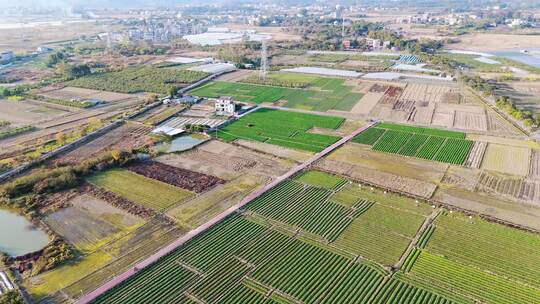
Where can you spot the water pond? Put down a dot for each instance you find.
(18, 236)
(182, 143)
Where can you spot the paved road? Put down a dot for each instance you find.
(88, 298)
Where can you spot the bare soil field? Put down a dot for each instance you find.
(367, 103)
(90, 222)
(515, 188)
(295, 155)
(10, 39)
(460, 177)
(474, 160)
(534, 170)
(69, 93)
(492, 42)
(178, 177)
(127, 136)
(443, 119)
(423, 115)
(21, 112)
(504, 141)
(426, 92)
(470, 121)
(226, 161)
(363, 157)
(235, 76)
(524, 215)
(507, 159)
(378, 178)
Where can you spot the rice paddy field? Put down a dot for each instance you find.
(427, 143)
(141, 190)
(320, 93)
(283, 128)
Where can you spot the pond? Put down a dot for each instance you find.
(18, 236)
(532, 57)
(182, 143)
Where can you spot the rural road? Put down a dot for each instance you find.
(88, 298)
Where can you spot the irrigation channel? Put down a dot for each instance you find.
(88, 298)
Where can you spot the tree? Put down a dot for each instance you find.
(11, 297)
(60, 138)
(171, 91)
(116, 155)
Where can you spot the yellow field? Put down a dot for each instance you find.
(507, 159)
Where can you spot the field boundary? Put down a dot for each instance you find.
(88, 298)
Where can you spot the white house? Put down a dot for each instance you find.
(225, 105)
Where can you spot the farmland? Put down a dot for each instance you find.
(139, 79)
(139, 189)
(478, 261)
(318, 238)
(321, 93)
(292, 131)
(434, 144)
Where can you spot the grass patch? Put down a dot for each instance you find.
(322, 93)
(139, 189)
(58, 278)
(320, 179)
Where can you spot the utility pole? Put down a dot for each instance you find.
(264, 60)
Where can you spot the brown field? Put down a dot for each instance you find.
(474, 160)
(69, 93)
(23, 113)
(426, 92)
(296, 155)
(366, 103)
(423, 115)
(410, 175)
(514, 188)
(507, 159)
(470, 121)
(534, 170)
(443, 119)
(486, 41)
(235, 76)
(489, 205)
(460, 177)
(226, 161)
(127, 136)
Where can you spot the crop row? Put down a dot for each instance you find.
(427, 145)
(356, 286)
(495, 248)
(163, 282)
(219, 282)
(290, 131)
(422, 130)
(468, 281)
(303, 271)
(305, 207)
(397, 291)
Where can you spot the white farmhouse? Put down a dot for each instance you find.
(225, 105)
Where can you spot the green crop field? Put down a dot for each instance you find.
(428, 143)
(321, 93)
(283, 128)
(139, 189)
(139, 79)
(476, 261)
(267, 254)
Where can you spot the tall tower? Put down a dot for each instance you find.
(264, 60)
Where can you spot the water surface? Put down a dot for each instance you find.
(18, 236)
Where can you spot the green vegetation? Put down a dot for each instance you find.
(320, 93)
(15, 131)
(433, 144)
(139, 189)
(321, 179)
(11, 297)
(138, 79)
(473, 260)
(267, 257)
(283, 128)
